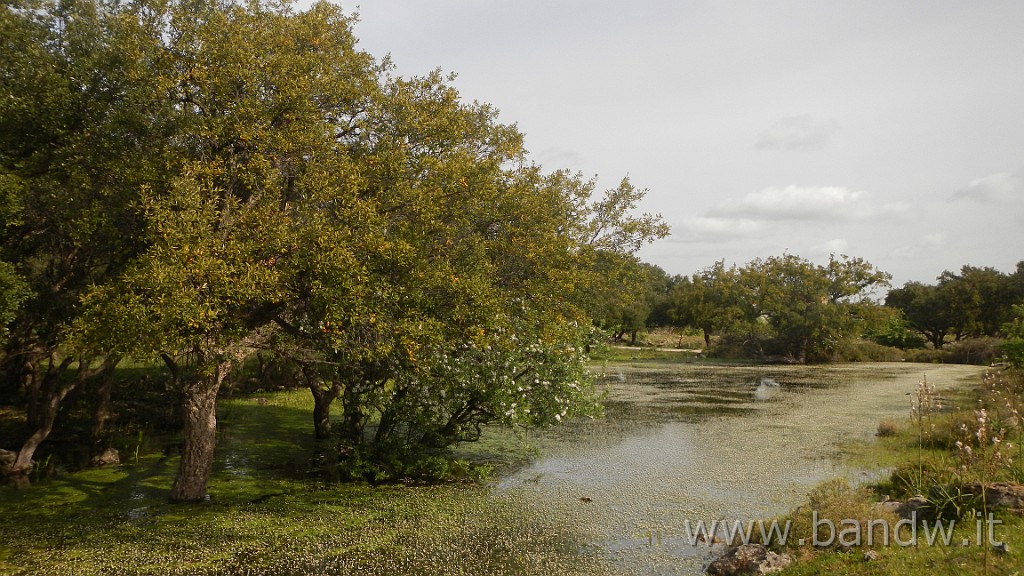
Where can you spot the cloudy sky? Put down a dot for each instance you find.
(892, 131)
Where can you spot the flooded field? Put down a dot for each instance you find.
(684, 443)
(680, 443)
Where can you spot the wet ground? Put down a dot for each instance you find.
(684, 443)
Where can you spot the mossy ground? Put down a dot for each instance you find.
(267, 516)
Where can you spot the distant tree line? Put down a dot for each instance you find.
(972, 303)
(789, 309)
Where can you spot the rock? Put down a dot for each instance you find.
(905, 510)
(913, 508)
(999, 494)
(748, 559)
(109, 457)
(7, 459)
(870, 555)
(890, 506)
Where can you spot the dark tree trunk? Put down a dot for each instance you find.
(45, 404)
(102, 414)
(322, 400)
(42, 424)
(353, 420)
(322, 415)
(200, 431)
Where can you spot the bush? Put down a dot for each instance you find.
(867, 351)
(835, 501)
(982, 351)
(887, 428)
(927, 356)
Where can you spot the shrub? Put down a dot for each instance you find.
(867, 351)
(982, 351)
(927, 356)
(886, 428)
(835, 501)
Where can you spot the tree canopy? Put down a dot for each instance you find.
(195, 181)
(782, 307)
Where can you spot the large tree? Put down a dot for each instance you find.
(783, 307)
(223, 178)
(259, 105)
(81, 133)
(812, 308)
(974, 302)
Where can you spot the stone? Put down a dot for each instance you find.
(748, 559)
(7, 459)
(914, 508)
(999, 494)
(109, 457)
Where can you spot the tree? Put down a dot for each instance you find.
(259, 103)
(710, 301)
(783, 306)
(980, 300)
(975, 302)
(925, 308)
(77, 141)
(819, 307)
(267, 186)
(1014, 345)
(644, 305)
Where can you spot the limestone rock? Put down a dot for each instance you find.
(1000, 494)
(748, 559)
(109, 457)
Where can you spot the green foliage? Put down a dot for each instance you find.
(197, 181)
(896, 331)
(13, 292)
(1013, 348)
(783, 307)
(977, 302)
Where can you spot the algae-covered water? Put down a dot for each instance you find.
(685, 443)
(679, 443)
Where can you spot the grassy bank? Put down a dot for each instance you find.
(947, 442)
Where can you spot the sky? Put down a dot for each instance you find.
(889, 131)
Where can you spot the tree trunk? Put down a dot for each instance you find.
(102, 413)
(200, 430)
(46, 404)
(45, 416)
(322, 400)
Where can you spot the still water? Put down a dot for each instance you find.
(683, 443)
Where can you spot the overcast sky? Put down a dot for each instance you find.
(888, 130)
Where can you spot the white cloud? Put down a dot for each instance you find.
(806, 203)
(709, 228)
(801, 132)
(997, 188)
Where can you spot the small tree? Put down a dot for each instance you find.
(1014, 345)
